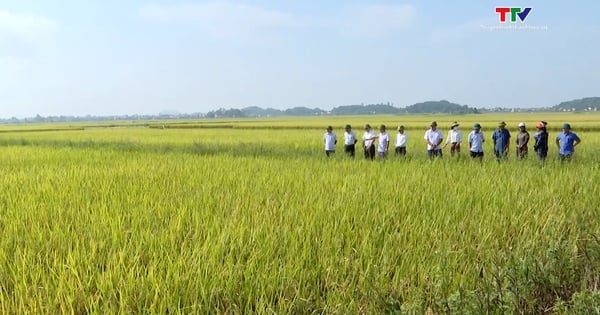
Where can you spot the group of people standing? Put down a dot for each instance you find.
(377, 144)
(372, 142)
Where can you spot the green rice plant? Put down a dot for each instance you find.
(234, 220)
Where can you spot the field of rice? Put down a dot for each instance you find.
(249, 216)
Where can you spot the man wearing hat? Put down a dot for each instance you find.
(501, 138)
(401, 141)
(383, 142)
(454, 138)
(349, 141)
(541, 141)
(434, 137)
(330, 139)
(522, 141)
(566, 141)
(368, 141)
(476, 140)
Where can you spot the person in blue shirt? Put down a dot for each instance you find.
(501, 137)
(566, 141)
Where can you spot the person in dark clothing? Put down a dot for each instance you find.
(541, 141)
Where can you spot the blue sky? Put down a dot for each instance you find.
(143, 57)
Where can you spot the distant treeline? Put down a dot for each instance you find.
(370, 109)
(430, 107)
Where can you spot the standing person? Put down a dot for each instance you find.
(476, 140)
(350, 140)
(383, 142)
(566, 141)
(401, 141)
(522, 141)
(454, 138)
(541, 141)
(434, 137)
(330, 139)
(501, 139)
(368, 140)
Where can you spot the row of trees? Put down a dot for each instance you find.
(370, 109)
(443, 106)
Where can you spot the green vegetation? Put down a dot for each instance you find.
(584, 104)
(249, 216)
(442, 106)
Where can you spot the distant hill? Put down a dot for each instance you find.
(442, 106)
(365, 109)
(255, 111)
(584, 104)
(304, 111)
(222, 112)
(429, 107)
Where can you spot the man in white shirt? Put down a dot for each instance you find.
(350, 140)
(434, 137)
(401, 141)
(368, 142)
(383, 143)
(454, 138)
(330, 139)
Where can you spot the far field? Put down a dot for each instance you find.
(249, 216)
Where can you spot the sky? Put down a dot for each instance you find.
(109, 57)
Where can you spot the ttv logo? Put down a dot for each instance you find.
(522, 13)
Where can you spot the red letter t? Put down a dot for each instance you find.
(502, 13)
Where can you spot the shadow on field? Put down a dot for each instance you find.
(245, 149)
(41, 130)
(240, 149)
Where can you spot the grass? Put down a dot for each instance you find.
(133, 220)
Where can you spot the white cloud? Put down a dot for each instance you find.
(378, 20)
(220, 19)
(21, 35)
(28, 27)
(234, 20)
(457, 33)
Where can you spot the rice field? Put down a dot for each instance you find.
(238, 216)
